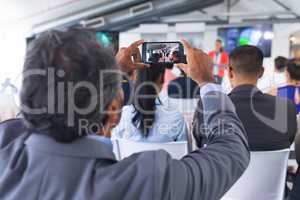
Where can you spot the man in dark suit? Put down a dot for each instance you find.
(270, 121)
(183, 87)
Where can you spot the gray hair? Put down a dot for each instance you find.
(67, 58)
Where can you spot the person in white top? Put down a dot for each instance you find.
(148, 119)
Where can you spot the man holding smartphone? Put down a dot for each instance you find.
(42, 158)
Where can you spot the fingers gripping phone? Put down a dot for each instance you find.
(163, 52)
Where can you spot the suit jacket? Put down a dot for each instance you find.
(183, 88)
(270, 121)
(34, 166)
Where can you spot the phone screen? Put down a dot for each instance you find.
(162, 52)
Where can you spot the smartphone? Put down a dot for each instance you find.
(163, 52)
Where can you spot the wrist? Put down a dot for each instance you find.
(204, 82)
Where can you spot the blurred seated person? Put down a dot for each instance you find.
(270, 122)
(220, 60)
(292, 89)
(183, 87)
(148, 119)
(57, 149)
(280, 68)
(279, 76)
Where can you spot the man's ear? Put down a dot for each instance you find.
(261, 72)
(230, 72)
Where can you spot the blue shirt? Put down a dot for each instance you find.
(289, 92)
(168, 126)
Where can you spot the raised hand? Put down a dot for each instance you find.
(199, 65)
(129, 58)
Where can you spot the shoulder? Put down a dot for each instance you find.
(11, 125)
(10, 130)
(141, 164)
(169, 113)
(176, 80)
(146, 172)
(158, 160)
(280, 100)
(128, 110)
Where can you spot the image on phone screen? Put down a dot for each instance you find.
(162, 52)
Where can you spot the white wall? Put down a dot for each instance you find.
(12, 53)
(193, 32)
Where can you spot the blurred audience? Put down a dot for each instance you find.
(280, 64)
(270, 122)
(292, 89)
(148, 119)
(279, 76)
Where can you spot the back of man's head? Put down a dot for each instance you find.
(280, 63)
(246, 60)
(293, 69)
(68, 79)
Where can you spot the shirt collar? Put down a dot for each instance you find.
(248, 88)
(88, 147)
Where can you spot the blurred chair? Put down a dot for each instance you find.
(184, 105)
(188, 117)
(116, 149)
(187, 108)
(8, 107)
(264, 178)
(124, 148)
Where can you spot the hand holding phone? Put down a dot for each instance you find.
(199, 65)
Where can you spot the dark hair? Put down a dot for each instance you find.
(220, 41)
(293, 68)
(66, 57)
(246, 59)
(155, 57)
(176, 55)
(145, 96)
(280, 63)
